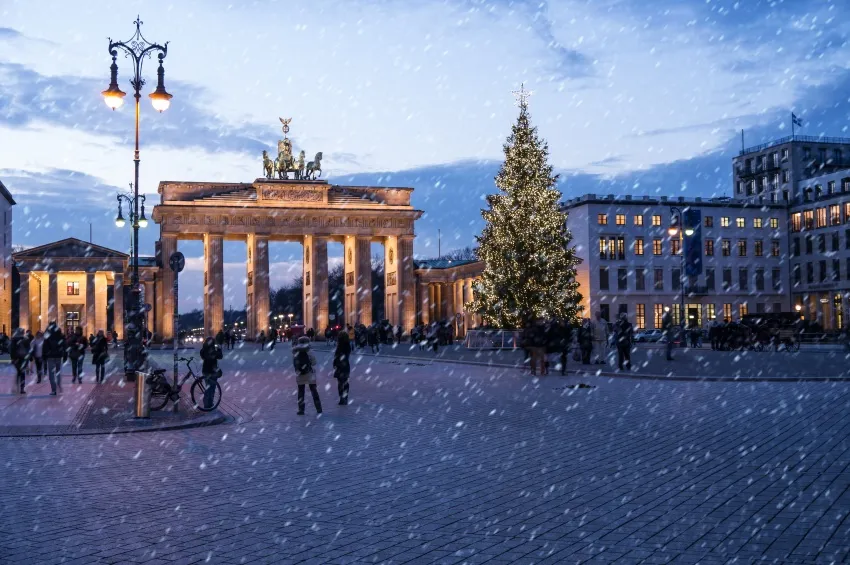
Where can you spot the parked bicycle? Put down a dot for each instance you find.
(162, 391)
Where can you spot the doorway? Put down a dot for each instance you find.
(72, 321)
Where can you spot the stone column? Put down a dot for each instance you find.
(407, 283)
(53, 300)
(435, 301)
(467, 297)
(450, 301)
(24, 302)
(168, 245)
(363, 277)
(316, 283)
(391, 279)
(213, 284)
(118, 305)
(258, 284)
(91, 313)
(350, 281)
(424, 303)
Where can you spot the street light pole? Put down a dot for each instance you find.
(677, 226)
(137, 49)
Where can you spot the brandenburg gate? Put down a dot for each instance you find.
(312, 212)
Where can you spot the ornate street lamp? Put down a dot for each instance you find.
(137, 49)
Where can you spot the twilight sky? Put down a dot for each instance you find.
(633, 96)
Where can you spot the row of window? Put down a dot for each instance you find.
(640, 279)
(820, 217)
(614, 247)
(708, 221)
(694, 312)
(834, 274)
(835, 243)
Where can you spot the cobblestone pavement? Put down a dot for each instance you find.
(650, 359)
(444, 463)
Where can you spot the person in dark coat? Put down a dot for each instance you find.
(261, 339)
(342, 366)
(220, 338)
(585, 341)
(99, 356)
(19, 352)
(210, 354)
(624, 336)
(54, 353)
(77, 345)
(564, 334)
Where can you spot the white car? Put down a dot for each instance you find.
(650, 336)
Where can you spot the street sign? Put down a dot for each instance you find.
(177, 261)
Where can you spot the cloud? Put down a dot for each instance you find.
(9, 33)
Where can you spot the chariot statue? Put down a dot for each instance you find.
(286, 163)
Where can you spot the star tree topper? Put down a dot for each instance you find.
(522, 95)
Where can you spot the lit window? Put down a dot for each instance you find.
(758, 248)
(743, 309)
(640, 316)
(638, 246)
(620, 219)
(742, 248)
(757, 222)
(675, 246)
(658, 314)
(727, 312)
(835, 215)
(656, 220)
(603, 248)
(797, 221)
(774, 248)
(656, 246)
(774, 223)
(73, 288)
(709, 247)
(709, 221)
(821, 218)
(726, 248)
(602, 219)
(724, 222)
(740, 222)
(809, 219)
(638, 220)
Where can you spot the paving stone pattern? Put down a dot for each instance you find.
(443, 463)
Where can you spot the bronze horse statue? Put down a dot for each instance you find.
(314, 168)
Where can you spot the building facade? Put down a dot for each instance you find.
(443, 289)
(6, 290)
(631, 264)
(76, 283)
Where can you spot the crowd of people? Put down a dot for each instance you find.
(44, 353)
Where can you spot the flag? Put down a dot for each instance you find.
(795, 120)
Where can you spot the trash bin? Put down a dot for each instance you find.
(143, 396)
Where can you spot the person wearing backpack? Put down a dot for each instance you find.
(77, 345)
(19, 352)
(210, 354)
(99, 356)
(55, 354)
(305, 373)
(342, 366)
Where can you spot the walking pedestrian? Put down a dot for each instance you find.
(342, 366)
(55, 353)
(304, 363)
(37, 355)
(624, 336)
(667, 332)
(585, 341)
(99, 356)
(564, 334)
(77, 345)
(210, 354)
(19, 353)
(600, 339)
(29, 369)
(261, 339)
(115, 339)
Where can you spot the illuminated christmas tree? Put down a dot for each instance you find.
(530, 265)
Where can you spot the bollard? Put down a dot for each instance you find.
(143, 396)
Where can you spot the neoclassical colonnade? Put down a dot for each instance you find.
(68, 282)
(444, 288)
(313, 213)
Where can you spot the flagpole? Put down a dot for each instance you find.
(792, 126)
(742, 141)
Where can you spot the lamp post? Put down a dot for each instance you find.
(137, 49)
(290, 319)
(677, 227)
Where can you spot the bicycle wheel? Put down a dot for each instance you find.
(199, 387)
(159, 395)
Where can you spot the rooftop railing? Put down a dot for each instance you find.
(790, 138)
